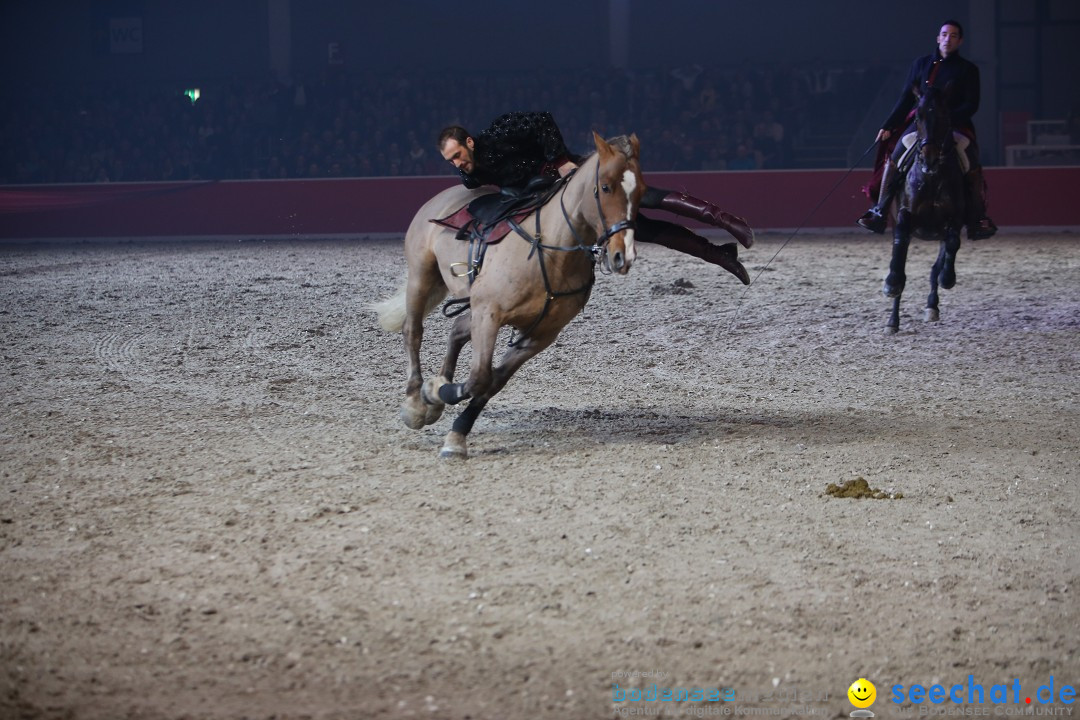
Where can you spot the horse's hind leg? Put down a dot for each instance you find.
(423, 291)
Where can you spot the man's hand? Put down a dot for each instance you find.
(566, 167)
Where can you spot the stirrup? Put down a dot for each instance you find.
(873, 221)
(982, 229)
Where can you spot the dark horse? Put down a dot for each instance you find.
(931, 204)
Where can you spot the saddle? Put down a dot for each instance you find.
(489, 218)
(961, 140)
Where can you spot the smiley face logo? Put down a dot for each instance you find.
(862, 693)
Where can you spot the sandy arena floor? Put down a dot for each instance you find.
(210, 509)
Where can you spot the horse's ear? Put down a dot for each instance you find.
(602, 146)
(635, 145)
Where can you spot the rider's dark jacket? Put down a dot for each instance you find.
(516, 148)
(960, 76)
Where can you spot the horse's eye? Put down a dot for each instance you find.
(605, 188)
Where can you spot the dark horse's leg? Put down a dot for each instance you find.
(949, 248)
(943, 271)
(896, 279)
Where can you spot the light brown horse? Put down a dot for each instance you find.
(535, 280)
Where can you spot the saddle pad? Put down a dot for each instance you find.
(962, 141)
(464, 222)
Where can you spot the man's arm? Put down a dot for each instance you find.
(898, 117)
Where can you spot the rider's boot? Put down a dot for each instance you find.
(979, 226)
(874, 219)
(679, 238)
(704, 211)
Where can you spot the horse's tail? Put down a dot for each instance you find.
(391, 311)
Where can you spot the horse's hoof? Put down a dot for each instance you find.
(454, 447)
(892, 287)
(890, 330)
(931, 315)
(434, 412)
(429, 391)
(413, 413)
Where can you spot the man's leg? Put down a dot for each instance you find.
(696, 209)
(679, 238)
(875, 219)
(979, 225)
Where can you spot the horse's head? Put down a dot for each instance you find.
(618, 189)
(934, 127)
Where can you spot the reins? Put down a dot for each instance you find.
(456, 306)
(794, 232)
(597, 249)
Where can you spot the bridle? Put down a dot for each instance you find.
(602, 240)
(598, 249)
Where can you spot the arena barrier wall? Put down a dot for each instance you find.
(770, 200)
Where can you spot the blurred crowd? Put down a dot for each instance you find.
(364, 125)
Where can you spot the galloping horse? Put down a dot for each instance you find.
(535, 280)
(931, 205)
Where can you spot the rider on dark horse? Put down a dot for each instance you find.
(944, 69)
(521, 146)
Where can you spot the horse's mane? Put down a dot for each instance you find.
(619, 142)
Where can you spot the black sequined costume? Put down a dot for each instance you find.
(517, 147)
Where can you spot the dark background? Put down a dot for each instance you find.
(1028, 50)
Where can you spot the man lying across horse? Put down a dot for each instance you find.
(521, 146)
(959, 78)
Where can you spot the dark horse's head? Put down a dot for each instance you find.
(934, 128)
(934, 189)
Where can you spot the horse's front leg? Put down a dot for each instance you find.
(943, 272)
(896, 279)
(949, 247)
(483, 329)
(455, 444)
(459, 335)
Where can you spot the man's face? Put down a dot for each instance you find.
(458, 155)
(949, 40)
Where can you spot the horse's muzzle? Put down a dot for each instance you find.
(618, 262)
(622, 252)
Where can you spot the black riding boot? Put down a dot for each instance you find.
(676, 237)
(979, 226)
(874, 219)
(696, 209)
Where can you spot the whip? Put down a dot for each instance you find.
(796, 231)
